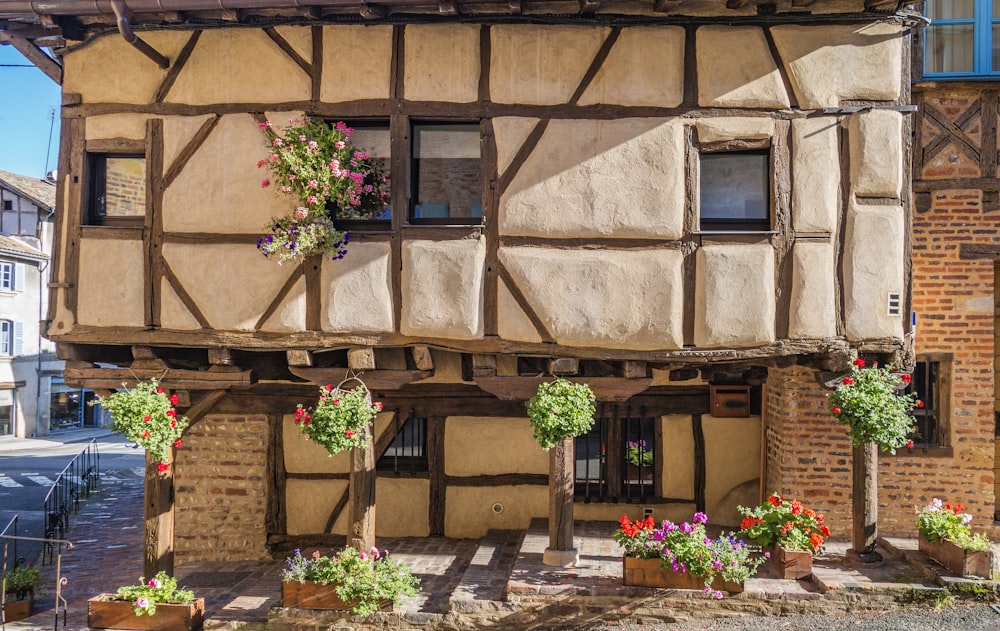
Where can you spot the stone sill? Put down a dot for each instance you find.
(922, 452)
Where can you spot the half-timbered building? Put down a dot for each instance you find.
(700, 208)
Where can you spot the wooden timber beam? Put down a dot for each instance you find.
(372, 11)
(422, 358)
(564, 366)
(448, 7)
(523, 388)
(589, 6)
(374, 379)
(299, 358)
(361, 358)
(171, 378)
(52, 68)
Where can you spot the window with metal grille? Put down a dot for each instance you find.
(408, 451)
(929, 383)
(616, 459)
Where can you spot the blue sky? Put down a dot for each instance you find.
(27, 100)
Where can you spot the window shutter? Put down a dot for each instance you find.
(18, 341)
(18, 276)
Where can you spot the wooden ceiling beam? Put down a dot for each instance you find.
(172, 378)
(523, 388)
(373, 11)
(666, 6)
(589, 6)
(448, 7)
(373, 379)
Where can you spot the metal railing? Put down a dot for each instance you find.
(10, 529)
(56, 545)
(81, 476)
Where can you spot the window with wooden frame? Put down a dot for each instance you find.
(408, 452)
(117, 189)
(374, 138)
(446, 175)
(11, 276)
(11, 336)
(931, 383)
(616, 459)
(734, 191)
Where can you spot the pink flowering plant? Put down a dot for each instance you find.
(942, 520)
(147, 417)
(315, 163)
(686, 547)
(365, 580)
(339, 419)
(161, 589)
(869, 402)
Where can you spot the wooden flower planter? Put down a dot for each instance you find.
(960, 561)
(310, 595)
(790, 564)
(651, 573)
(104, 612)
(16, 610)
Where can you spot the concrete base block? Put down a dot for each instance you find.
(560, 558)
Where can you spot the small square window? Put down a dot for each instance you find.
(8, 278)
(373, 138)
(447, 175)
(633, 462)
(8, 204)
(735, 191)
(117, 189)
(408, 451)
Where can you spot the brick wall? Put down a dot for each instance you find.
(220, 490)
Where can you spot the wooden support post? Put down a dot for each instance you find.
(422, 358)
(633, 369)
(158, 519)
(299, 358)
(484, 366)
(560, 551)
(361, 358)
(564, 366)
(864, 504)
(361, 518)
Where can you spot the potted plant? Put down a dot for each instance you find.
(147, 417)
(789, 531)
(339, 419)
(315, 163)
(354, 581)
(945, 536)
(19, 590)
(868, 402)
(560, 409)
(682, 556)
(157, 604)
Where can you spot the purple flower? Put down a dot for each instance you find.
(700, 518)
(686, 528)
(141, 603)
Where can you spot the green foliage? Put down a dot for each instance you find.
(20, 582)
(868, 403)
(778, 521)
(636, 454)
(941, 520)
(944, 600)
(561, 409)
(146, 416)
(687, 548)
(156, 591)
(365, 579)
(339, 420)
(315, 163)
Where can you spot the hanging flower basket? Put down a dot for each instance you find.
(147, 417)
(340, 418)
(561, 409)
(867, 402)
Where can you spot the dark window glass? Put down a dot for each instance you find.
(117, 189)
(734, 191)
(447, 174)
(408, 451)
(632, 461)
(926, 383)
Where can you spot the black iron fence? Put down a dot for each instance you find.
(77, 480)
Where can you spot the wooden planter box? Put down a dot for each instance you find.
(959, 561)
(789, 564)
(651, 573)
(104, 612)
(16, 610)
(309, 595)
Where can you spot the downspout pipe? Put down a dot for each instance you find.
(123, 13)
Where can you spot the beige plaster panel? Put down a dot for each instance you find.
(734, 295)
(403, 506)
(290, 314)
(678, 469)
(628, 78)
(873, 266)
(734, 128)
(239, 66)
(813, 310)
(174, 314)
(641, 295)
(299, 38)
(304, 456)
(622, 178)
(491, 446)
(347, 75)
(308, 504)
(447, 367)
(732, 449)
(876, 141)
(443, 288)
(109, 70)
(510, 133)
(815, 174)
(178, 131)
(833, 63)
(736, 69)
(219, 189)
(600, 511)
(540, 65)
(470, 515)
(357, 296)
(441, 62)
(111, 283)
(512, 322)
(233, 285)
(132, 126)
